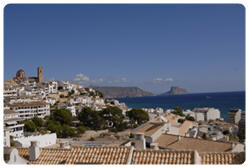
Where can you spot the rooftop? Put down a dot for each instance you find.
(149, 129)
(162, 157)
(222, 158)
(171, 142)
(234, 111)
(127, 155)
(51, 156)
(27, 104)
(7, 111)
(80, 155)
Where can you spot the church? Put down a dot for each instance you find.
(21, 76)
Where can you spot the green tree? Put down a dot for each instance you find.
(63, 116)
(91, 118)
(131, 135)
(204, 136)
(83, 94)
(241, 134)
(29, 126)
(67, 131)
(190, 118)
(12, 142)
(225, 132)
(91, 139)
(100, 94)
(137, 116)
(54, 127)
(81, 129)
(113, 115)
(60, 87)
(38, 121)
(72, 92)
(178, 111)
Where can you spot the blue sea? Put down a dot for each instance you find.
(223, 101)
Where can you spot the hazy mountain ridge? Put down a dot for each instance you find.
(175, 90)
(120, 92)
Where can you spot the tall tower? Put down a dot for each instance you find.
(40, 74)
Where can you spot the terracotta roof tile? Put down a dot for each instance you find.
(149, 129)
(7, 111)
(162, 157)
(99, 155)
(222, 158)
(27, 104)
(126, 155)
(80, 155)
(171, 142)
(47, 155)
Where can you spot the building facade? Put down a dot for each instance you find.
(27, 110)
(234, 116)
(13, 124)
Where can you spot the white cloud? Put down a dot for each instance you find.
(161, 80)
(158, 79)
(169, 80)
(101, 80)
(120, 80)
(81, 78)
(123, 79)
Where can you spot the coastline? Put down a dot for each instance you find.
(223, 101)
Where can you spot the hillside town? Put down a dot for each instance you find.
(62, 122)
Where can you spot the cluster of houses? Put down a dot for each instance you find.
(162, 140)
(167, 138)
(28, 97)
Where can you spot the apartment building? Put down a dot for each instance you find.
(13, 123)
(234, 116)
(27, 110)
(206, 114)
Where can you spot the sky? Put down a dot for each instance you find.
(197, 47)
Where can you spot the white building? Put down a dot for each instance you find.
(71, 108)
(29, 110)
(42, 140)
(10, 92)
(189, 112)
(51, 101)
(83, 100)
(52, 87)
(99, 101)
(206, 114)
(234, 116)
(12, 124)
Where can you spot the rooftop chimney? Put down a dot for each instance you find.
(232, 145)
(178, 138)
(34, 151)
(65, 145)
(154, 146)
(196, 157)
(139, 141)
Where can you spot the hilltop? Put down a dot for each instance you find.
(120, 92)
(174, 90)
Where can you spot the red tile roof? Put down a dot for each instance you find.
(222, 158)
(127, 155)
(162, 157)
(47, 155)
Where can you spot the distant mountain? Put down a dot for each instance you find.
(174, 90)
(120, 92)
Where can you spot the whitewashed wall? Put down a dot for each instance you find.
(43, 140)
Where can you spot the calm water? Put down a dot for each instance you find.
(222, 101)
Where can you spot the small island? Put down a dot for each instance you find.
(175, 90)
